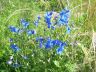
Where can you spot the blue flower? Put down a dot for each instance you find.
(40, 44)
(64, 17)
(53, 27)
(13, 29)
(56, 42)
(61, 48)
(48, 43)
(37, 21)
(30, 32)
(40, 39)
(68, 30)
(24, 23)
(14, 47)
(39, 17)
(10, 40)
(48, 16)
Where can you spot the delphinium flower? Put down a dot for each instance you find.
(61, 19)
(53, 27)
(56, 42)
(41, 44)
(24, 23)
(14, 29)
(37, 21)
(40, 40)
(48, 16)
(10, 40)
(68, 30)
(15, 47)
(64, 17)
(61, 48)
(48, 43)
(30, 32)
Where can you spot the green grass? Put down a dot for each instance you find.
(76, 58)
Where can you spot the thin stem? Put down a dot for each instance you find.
(68, 3)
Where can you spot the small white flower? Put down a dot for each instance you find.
(11, 57)
(9, 62)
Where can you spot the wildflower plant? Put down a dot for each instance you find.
(28, 44)
(47, 35)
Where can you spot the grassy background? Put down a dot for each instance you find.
(77, 58)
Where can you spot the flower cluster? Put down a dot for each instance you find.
(60, 19)
(11, 62)
(48, 17)
(14, 29)
(49, 44)
(25, 24)
(15, 47)
(64, 17)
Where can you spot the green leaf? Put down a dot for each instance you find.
(57, 63)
